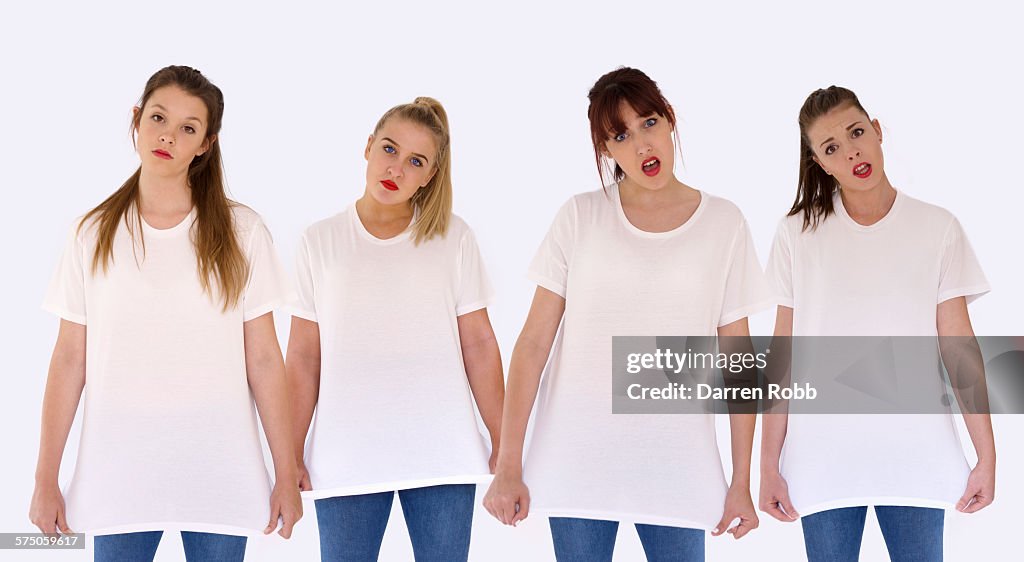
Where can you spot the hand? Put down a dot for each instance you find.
(981, 489)
(737, 505)
(774, 497)
(508, 499)
(285, 504)
(303, 476)
(47, 510)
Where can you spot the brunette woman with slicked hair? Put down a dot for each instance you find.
(176, 284)
(646, 255)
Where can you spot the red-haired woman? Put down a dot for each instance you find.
(647, 255)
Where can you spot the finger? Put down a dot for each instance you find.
(304, 483)
(722, 525)
(965, 499)
(978, 504)
(47, 528)
(286, 528)
(777, 512)
(62, 523)
(275, 513)
(787, 506)
(524, 510)
(502, 509)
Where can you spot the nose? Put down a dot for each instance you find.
(167, 138)
(853, 154)
(395, 170)
(642, 146)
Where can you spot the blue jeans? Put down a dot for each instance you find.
(593, 540)
(439, 519)
(141, 547)
(912, 534)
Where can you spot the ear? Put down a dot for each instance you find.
(878, 129)
(135, 116)
(823, 168)
(369, 143)
(207, 143)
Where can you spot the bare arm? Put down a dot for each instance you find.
(483, 369)
(64, 385)
(531, 352)
(741, 426)
(265, 371)
(774, 493)
(963, 360)
(302, 369)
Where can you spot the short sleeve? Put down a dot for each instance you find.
(746, 291)
(65, 295)
(474, 290)
(304, 303)
(550, 265)
(268, 287)
(780, 266)
(960, 273)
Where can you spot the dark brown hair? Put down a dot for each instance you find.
(220, 261)
(815, 187)
(628, 85)
(434, 200)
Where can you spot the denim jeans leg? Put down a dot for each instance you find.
(583, 540)
(834, 535)
(912, 534)
(126, 547)
(213, 547)
(352, 527)
(440, 521)
(671, 544)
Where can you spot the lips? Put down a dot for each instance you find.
(162, 154)
(651, 167)
(389, 185)
(862, 170)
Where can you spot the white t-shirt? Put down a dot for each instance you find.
(846, 279)
(395, 409)
(584, 461)
(169, 433)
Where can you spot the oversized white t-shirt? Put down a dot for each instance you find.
(169, 433)
(886, 279)
(395, 409)
(617, 280)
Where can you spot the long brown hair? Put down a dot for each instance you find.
(220, 261)
(815, 187)
(433, 202)
(628, 85)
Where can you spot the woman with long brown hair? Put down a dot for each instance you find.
(165, 292)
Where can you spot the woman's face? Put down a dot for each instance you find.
(400, 159)
(848, 146)
(644, 150)
(171, 131)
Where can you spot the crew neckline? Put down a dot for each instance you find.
(183, 226)
(666, 234)
(361, 228)
(845, 216)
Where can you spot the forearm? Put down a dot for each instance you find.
(979, 426)
(483, 370)
(60, 402)
(742, 433)
(525, 368)
(303, 381)
(267, 381)
(773, 436)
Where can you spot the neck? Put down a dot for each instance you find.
(371, 209)
(161, 195)
(674, 191)
(870, 205)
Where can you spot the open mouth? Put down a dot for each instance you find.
(162, 154)
(651, 166)
(389, 185)
(862, 170)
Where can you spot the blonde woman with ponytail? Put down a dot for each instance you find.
(391, 345)
(176, 284)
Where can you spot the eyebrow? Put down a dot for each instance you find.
(848, 127)
(392, 141)
(156, 105)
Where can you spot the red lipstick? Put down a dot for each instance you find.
(162, 154)
(651, 166)
(862, 170)
(389, 185)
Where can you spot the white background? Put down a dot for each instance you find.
(304, 86)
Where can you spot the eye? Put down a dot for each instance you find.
(157, 117)
(416, 162)
(650, 122)
(619, 137)
(857, 132)
(389, 149)
(189, 129)
(831, 148)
